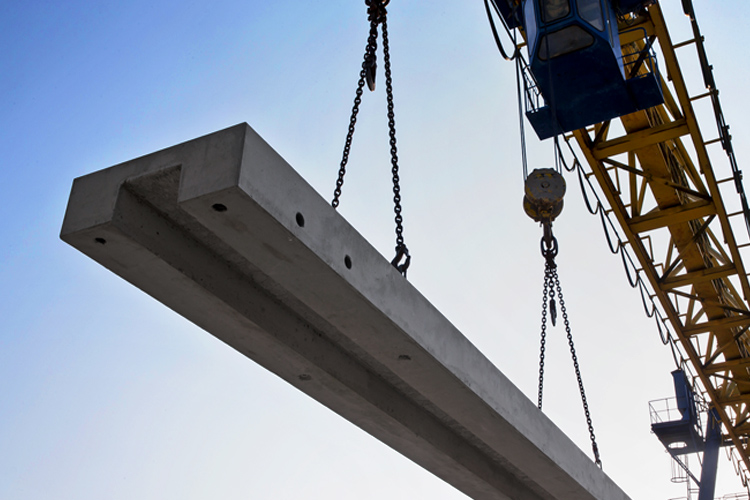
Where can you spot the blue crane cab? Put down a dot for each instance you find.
(577, 67)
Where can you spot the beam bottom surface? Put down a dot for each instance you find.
(224, 232)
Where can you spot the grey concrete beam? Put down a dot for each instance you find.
(223, 231)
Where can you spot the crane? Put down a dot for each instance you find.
(593, 78)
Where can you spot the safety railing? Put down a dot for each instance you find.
(533, 96)
(664, 410)
(639, 58)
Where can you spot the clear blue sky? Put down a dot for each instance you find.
(104, 393)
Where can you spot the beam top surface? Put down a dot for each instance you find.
(224, 232)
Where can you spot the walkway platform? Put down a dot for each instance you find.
(224, 232)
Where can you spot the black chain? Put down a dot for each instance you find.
(366, 73)
(401, 251)
(543, 341)
(377, 16)
(573, 355)
(549, 252)
(552, 287)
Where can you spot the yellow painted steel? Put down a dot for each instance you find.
(658, 179)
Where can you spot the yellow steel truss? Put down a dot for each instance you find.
(656, 173)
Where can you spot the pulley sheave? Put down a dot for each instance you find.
(544, 191)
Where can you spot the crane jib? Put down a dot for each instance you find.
(656, 182)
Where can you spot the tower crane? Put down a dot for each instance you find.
(592, 78)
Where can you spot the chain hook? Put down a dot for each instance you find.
(376, 14)
(401, 253)
(552, 304)
(597, 458)
(371, 68)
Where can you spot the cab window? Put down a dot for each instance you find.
(591, 12)
(563, 42)
(552, 10)
(530, 21)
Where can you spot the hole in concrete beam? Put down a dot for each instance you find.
(219, 207)
(404, 357)
(348, 262)
(101, 241)
(300, 220)
(305, 377)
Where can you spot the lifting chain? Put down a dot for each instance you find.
(376, 14)
(543, 202)
(553, 288)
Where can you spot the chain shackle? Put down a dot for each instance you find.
(549, 249)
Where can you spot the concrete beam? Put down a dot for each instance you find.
(223, 231)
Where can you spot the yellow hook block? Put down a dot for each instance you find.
(544, 191)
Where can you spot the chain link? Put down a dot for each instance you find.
(552, 287)
(543, 341)
(401, 250)
(377, 16)
(365, 73)
(573, 355)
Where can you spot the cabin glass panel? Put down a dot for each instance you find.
(564, 41)
(530, 20)
(591, 12)
(552, 10)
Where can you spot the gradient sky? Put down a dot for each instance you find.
(105, 393)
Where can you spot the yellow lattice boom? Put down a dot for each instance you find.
(655, 170)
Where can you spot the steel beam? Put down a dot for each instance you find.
(641, 139)
(700, 276)
(658, 219)
(725, 322)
